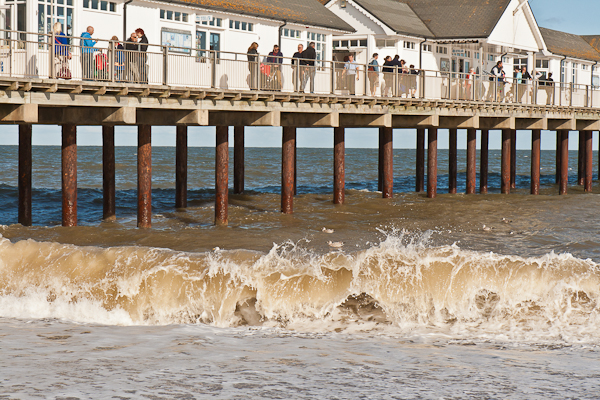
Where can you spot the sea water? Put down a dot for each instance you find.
(485, 296)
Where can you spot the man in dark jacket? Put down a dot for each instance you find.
(132, 69)
(143, 58)
(309, 56)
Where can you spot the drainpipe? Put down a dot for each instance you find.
(125, 19)
(421, 53)
(280, 31)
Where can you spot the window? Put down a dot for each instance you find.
(62, 12)
(574, 68)
(477, 55)
(541, 64)
(174, 15)
(409, 45)
(241, 26)
(441, 50)
(584, 67)
(385, 43)
(320, 39)
(427, 48)
(563, 71)
(292, 33)
(97, 5)
(491, 57)
(213, 22)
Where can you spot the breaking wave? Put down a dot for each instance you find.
(401, 285)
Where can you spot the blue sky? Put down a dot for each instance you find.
(574, 16)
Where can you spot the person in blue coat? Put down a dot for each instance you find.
(87, 53)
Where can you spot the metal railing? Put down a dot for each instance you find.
(33, 56)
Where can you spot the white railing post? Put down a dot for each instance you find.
(52, 70)
(112, 60)
(165, 57)
(571, 95)
(213, 67)
(333, 80)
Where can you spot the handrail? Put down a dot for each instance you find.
(204, 68)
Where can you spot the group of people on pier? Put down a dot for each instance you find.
(129, 61)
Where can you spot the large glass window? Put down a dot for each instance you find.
(15, 17)
(51, 11)
(320, 40)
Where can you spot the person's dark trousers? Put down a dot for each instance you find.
(87, 66)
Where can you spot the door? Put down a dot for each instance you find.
(215, 43)
(201, 44)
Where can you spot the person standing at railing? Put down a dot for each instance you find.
(548, 84)
(253, 65)
(87, 54)
(119, 61)
(413, 81)
(143, 57)
(61, 53)
(373, 74)
(525, 79)
(297, 76)
(351, 73)
(388, 76)
(309, 56)
(275, 59)
(468, 86)
(132, 71)
(496, 89)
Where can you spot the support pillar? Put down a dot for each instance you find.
(505, 167)
(558, 154)
(483, 173)
(380, 161)
(535, 161)
(295, 167)
(432, 163)
(108, 172)
(69, 175)
(513, 159)
(339, 169)
(287, 170)
(452, 161)
(471, 161)
(581, 159)
(387, 187)
(144, 170)
(25, 174)
(181, 167)
(238, 159)
(564, 162)
(222, 175)
(420, 167)
(589, 160)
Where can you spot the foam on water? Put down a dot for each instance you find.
(401, 285)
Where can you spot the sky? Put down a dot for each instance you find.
(573, 16)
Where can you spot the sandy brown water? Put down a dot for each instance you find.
(485, 296)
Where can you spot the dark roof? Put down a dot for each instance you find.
(456, 19)
(594, 41)
(439, 19)
(309, 12)
(397, 16)
(568, 44)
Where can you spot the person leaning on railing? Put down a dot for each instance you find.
(143, 57)
(297, 76)
(351, 74)
(388, 76)
(308, 61)
(61, 53)
(132, 71)
(373, 73)
(275, 59)
(253, 65)
(119, 61)
(87, 54)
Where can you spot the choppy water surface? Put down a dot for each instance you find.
(459, 297)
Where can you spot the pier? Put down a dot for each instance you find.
(184, 91)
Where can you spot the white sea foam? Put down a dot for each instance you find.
(401, 285)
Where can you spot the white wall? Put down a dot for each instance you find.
(514, 31)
